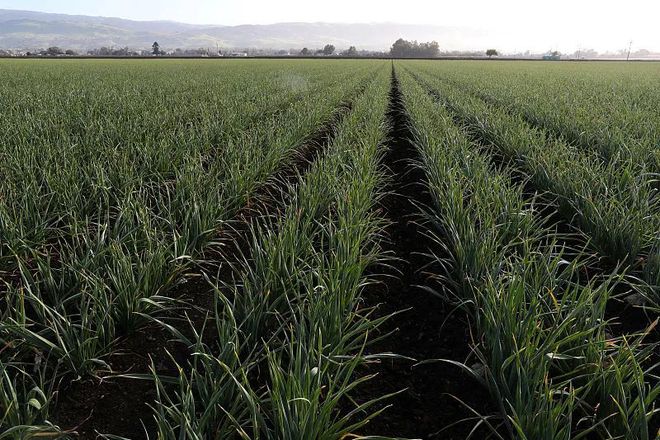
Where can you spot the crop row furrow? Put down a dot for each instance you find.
(419, 327)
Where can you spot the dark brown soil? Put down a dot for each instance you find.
(425, 329)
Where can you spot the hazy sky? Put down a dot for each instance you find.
(512, 24)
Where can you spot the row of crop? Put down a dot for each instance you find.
(105, 268)
(74, 157)
(588, 111)
(103, 273)
(289, 336)
(617, 209)
(542, 342)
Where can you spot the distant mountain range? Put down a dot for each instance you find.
(34, 30)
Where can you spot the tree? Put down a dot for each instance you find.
(412, 49)
(54, 51)
(120, 52)
(350, 52)
(70, 52)
(491, 53)
(329, 49)
(401, 48)
(432, 49)
(304, 52)
(155, 48)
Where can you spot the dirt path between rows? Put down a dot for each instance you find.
(425, 328)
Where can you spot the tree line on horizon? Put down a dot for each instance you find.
(400, 49)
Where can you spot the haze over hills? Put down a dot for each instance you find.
(33, 30)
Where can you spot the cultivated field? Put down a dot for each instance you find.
(329, 249)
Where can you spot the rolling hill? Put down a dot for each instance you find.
(33, 30)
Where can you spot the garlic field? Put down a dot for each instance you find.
(329, 249)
